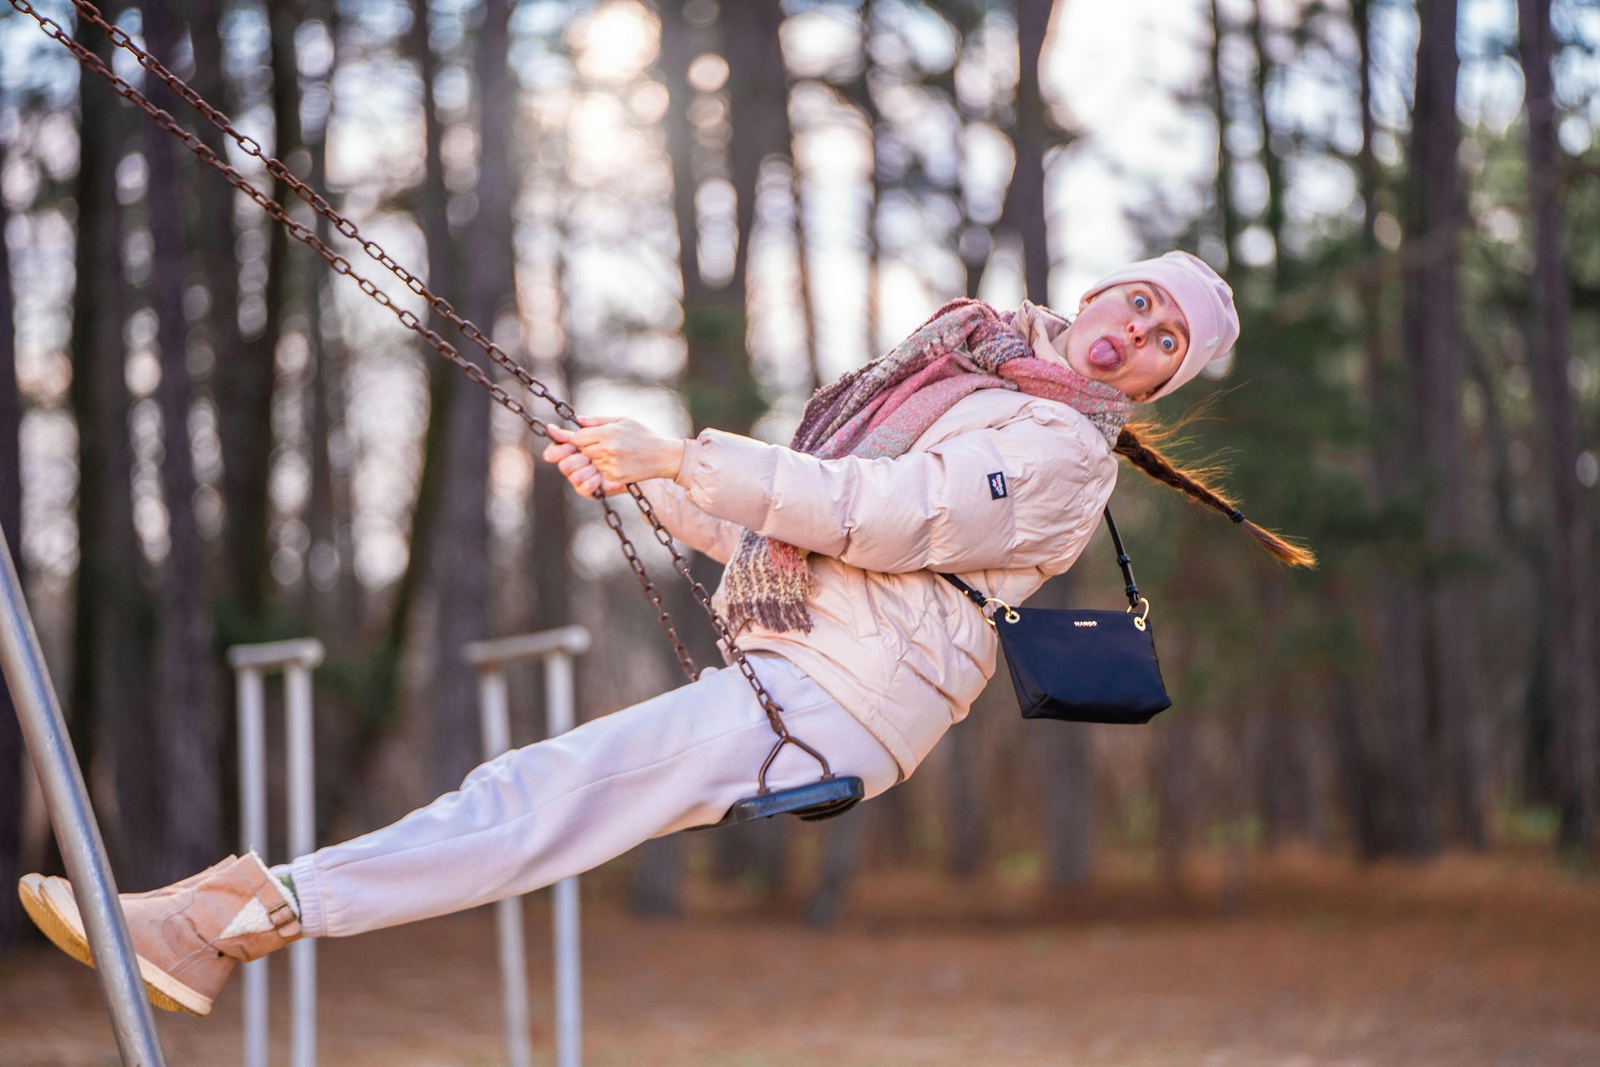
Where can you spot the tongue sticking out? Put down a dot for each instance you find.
(1103, 354)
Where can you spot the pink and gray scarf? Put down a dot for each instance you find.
(880, 410)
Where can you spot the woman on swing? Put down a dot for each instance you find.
(985, 444)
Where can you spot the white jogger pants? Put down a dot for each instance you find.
(535, 815)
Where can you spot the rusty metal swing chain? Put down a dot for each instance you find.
(340, 265)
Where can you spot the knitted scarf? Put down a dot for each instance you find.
(880, 410)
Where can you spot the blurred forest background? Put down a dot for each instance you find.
(694, 213)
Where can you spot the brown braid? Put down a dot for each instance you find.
(1137, 443)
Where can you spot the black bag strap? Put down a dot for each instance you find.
(1131, 586)
(971, 593)
(1123, 561)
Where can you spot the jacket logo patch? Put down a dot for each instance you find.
(997, 485)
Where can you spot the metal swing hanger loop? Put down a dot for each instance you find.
(786, 738)
(340, 265)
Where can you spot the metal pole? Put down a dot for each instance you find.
(302, 842)
(569, 985)
(82, 850)
(556, 648)
(295, 659)
(495, 713)
(253, 838)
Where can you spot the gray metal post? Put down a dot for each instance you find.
(569, 982)
(495, 719)
(302, 842)
(82, 850)
(253, 838)
(251, 662)
(556, 648)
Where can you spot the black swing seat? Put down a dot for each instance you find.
(826, 799)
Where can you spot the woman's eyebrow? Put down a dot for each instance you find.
(1161, 302)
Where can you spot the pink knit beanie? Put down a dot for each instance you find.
(1202, 296)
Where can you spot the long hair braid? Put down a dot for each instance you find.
(1137, 443)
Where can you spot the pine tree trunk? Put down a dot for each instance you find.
(1065, 751)
(802, 264)
(1350, 708)
(1227, 216)
(1289, 779)
(860, 94)
(708, 327)
(11, 747)
(1025, 207)
(549, 534)
(1432, 330)
(1572, 607)
(1271, 162)
(1287, 768)
(461, 552)
(1067, 775)
(114, 613)
(290, 282)
(841, 857)
(1385, 738)
(430, 204)
(657, 886)
(976, 241)
(331, 591)
(1238, 801)
(379, 695)
(679, 45)
(717, 383)
(335, 598)
(186, 716)
(244, 368)
(758, 88)
(965, 790)
(1406, 822)
(1176, 796)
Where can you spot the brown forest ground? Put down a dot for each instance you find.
(1490, 960)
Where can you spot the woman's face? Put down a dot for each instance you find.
(1131, 336)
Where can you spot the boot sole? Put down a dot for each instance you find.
(65, 931)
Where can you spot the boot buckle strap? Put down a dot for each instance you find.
(286, 918)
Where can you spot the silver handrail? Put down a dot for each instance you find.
(45, 732)
(556, 648)
(295, 659)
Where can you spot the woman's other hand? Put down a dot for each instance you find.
(607, 453)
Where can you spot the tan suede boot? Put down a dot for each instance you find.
(187, 935)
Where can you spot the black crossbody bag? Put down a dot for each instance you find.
(1080, 666)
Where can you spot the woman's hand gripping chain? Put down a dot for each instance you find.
(607, 453)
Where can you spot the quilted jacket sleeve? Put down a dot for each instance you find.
(699, 530)
(1024, 494)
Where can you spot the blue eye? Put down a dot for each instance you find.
(1141, 303)
(1168, 345)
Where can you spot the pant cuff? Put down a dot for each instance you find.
(308, 891)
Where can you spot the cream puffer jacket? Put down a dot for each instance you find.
(1004, 490)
